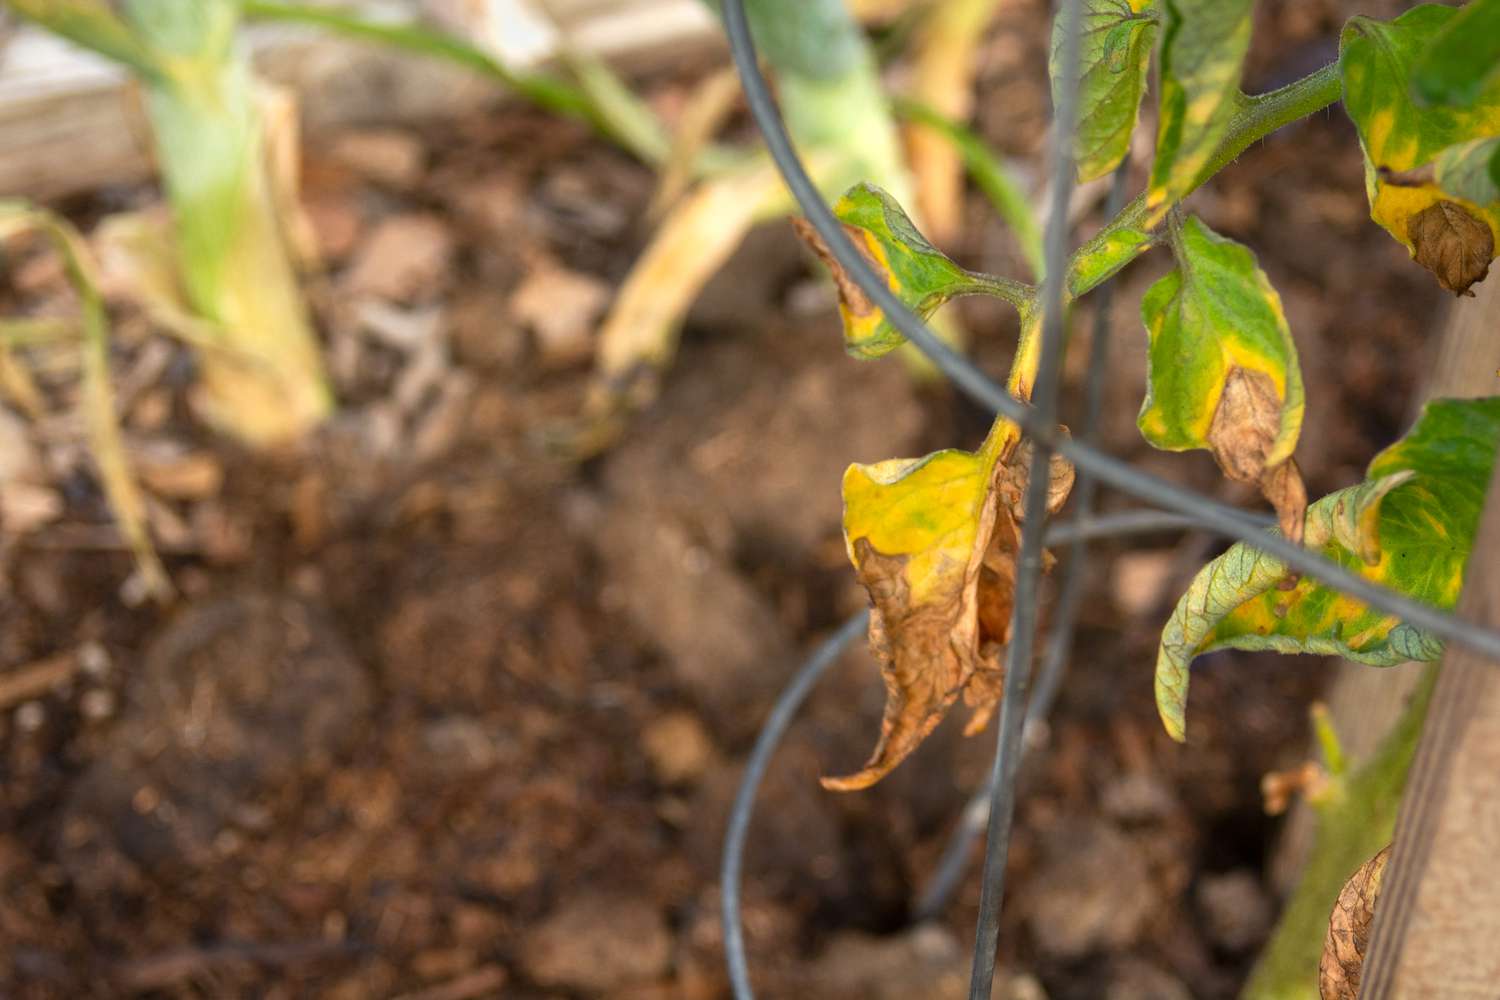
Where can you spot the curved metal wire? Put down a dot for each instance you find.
(954, 862)
(732, 863)
(1024, 610)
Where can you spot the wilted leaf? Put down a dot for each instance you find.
(1223, 371)
(1349, 931)
(934, 542)
(1115, 42)
(1463, 58)
(98, 402)
(1402, 140)
(920, 274)
(1409, 526)
(1203, 46)
(1452, 244)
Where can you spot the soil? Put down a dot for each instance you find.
(440, 714)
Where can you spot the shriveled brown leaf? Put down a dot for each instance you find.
(1245, 427)
(1245, 424)
(946, 641)
(1349, 931)
(1451, 243)
(1282, 485)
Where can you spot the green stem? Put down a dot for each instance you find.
(1017, 293)
(1256, 118)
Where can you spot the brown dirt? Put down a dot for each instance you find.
(436, 708)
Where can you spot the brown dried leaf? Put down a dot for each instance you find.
(1349, 931)
(1246, 423)
(1245, 428)
(941, 607)
(1451, 243)
(1282, 485)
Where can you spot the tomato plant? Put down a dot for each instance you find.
(933, 539)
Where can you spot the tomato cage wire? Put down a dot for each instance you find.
(1180, 508)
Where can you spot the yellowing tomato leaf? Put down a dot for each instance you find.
(1463, 58)
(1410, 526)
(1115, 42)
(1223, 371)
(1447, 233)
(934, 542)
(1202, 50)
(921, 275)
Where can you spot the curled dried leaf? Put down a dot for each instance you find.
(1349, 931)
(1246, 424)
(934, 543)
(1450, 242)
(1282, 485)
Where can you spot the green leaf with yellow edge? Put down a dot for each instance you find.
(1451, 236)
(1222, 367)
(1202, 51)
(1464, 57)
(922, 276)
(1409, 526)
(1115, 43)
(934, 541)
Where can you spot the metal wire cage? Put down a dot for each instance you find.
(1022, 706)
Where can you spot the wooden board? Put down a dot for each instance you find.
(71, 122)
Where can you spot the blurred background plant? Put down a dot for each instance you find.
(221, 270)
(233, 290)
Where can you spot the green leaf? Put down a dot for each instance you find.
(1223, 371)
(1463, 59)
(1115, 44)
(921, 275)
(1203, 48)
(94, 25)
(1471, 171)
(1453, 237)
(1409, 526)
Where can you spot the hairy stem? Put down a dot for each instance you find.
(1256, 118)
(1017, 293)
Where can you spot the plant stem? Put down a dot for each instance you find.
(1017, 293)
(1256, 118)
